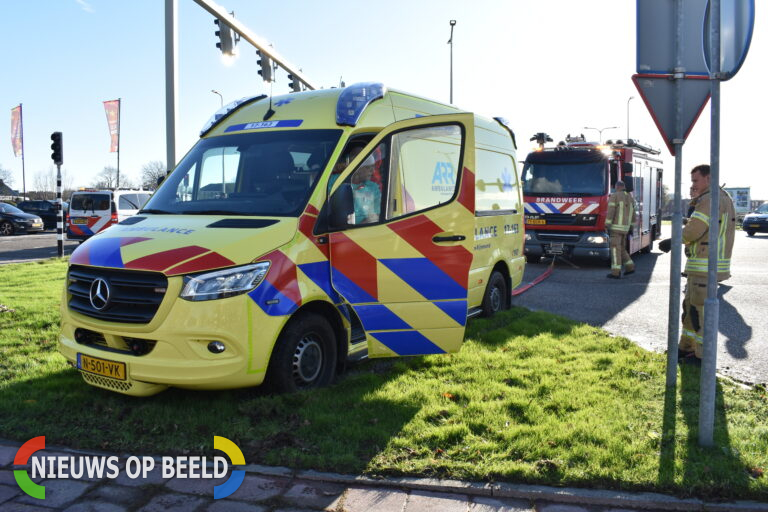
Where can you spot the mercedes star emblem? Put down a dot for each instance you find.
(99, 294)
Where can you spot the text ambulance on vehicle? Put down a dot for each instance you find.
(266, 256)
(566, 189)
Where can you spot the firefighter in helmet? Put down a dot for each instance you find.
(618, 222)
(696, 240)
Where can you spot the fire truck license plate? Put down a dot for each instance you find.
(536, 221)
(105, 367)
(556, 248)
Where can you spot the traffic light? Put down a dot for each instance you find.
(226, 37)
(58, 148)
(294, 83)
(265, 65)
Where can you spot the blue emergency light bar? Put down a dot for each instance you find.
(226, 110)
(355, 99)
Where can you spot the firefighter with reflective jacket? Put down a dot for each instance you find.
(621, 213)
(696, 240)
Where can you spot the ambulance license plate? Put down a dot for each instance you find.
(103, 367)
(79, 220)
(556, 248)
(536, 221)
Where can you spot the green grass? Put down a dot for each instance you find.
(532, 397)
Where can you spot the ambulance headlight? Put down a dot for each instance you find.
(223, 283)
(599, 239)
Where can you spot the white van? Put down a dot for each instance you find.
(93, 211)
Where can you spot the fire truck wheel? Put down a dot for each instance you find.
(532, 259)
(304, 356)
(496, 296)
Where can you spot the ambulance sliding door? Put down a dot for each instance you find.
(402, 219)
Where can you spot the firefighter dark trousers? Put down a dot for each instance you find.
(692, 336)
(619, 255)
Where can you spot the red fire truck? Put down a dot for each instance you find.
(566, 189)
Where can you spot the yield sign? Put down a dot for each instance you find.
(658, 93)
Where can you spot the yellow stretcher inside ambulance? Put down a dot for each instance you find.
(300, 233)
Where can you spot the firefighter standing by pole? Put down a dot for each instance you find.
(695, 238)
(621, 213)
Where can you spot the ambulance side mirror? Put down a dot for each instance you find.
(335, 213)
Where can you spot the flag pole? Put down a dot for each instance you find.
(23, 170)
(119, 102)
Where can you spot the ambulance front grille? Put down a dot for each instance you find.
(134, 296)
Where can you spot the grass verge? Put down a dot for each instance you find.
(532, 397)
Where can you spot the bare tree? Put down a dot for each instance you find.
(107, 179)
(6, 176)
(44, 183)
(151, 172)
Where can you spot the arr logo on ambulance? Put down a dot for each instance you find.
(77, 467)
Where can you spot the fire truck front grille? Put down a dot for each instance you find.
(558, 237)
(134, 296)
(560, 219)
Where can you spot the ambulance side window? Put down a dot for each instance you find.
(424, 168)
(186, 185)
(217, 176)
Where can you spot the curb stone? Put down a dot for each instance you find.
(532, 493)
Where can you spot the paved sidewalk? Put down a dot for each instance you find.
(276, 489)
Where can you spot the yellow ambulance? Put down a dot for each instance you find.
(300, 233)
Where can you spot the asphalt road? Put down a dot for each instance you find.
(36, 246)
(637, 307)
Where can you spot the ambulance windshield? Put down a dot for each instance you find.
(257, 173)
(564, 179)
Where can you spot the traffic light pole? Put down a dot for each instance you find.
(261, 44)
(59, 214)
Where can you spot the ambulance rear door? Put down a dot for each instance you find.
(401, 220)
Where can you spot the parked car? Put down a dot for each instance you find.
(756, 222)
(44, 209)
(93, 211)
(13, 220)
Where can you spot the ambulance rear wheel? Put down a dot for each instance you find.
(304, 356)
(495, 299)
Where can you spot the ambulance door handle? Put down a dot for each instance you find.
(453, 238)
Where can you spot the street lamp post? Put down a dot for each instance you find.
(223, 181)
(600, 131)
(630, 99)
(221, 98)
(450, 42)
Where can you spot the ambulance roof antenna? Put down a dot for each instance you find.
(270, 112)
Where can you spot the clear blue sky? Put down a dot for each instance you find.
(554, 66)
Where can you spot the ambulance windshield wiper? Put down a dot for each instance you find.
(152, 210)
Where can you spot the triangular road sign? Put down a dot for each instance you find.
(658, 93)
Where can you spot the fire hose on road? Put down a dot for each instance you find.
(543, 276)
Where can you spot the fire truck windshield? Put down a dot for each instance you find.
(564, 179)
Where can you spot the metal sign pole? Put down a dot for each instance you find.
(708, 383)
(673, 327)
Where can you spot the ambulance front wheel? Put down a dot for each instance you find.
(304, 356)
(496, 295)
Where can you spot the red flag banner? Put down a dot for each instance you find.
(16, 131)
(112, 108)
